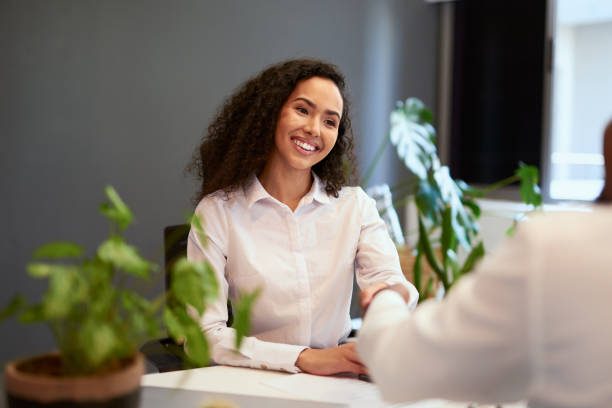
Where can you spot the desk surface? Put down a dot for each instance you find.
(158, 397)
(259, 388)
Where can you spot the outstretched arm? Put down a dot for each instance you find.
(377, 262)
(470, 347)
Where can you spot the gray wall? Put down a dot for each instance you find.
(119, 92)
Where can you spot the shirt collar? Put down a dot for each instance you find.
(254, 192)
(317, 191)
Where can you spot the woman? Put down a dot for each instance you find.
(277, 217)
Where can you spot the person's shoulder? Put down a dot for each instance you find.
(566, 226)
(218, 200)
(352, 193)
(354, 199)
(577, 216)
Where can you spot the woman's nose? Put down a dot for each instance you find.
(312, 126)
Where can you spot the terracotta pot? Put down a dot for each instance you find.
(118, 389)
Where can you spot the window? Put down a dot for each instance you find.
(581, 98)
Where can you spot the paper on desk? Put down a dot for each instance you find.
(355, 393)
(330, 389)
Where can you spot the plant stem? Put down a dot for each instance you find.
(379, 152)
(407, 184)
(396, 204)
(159, 301)
(401, 202)
(499, 184)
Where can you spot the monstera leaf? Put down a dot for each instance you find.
(413, 136)
(463, 223)
(447, 208)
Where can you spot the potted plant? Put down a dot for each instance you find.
(98, 322)
(448, 245)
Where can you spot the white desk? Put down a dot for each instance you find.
(249, 387)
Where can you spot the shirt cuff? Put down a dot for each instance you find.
(273, 356)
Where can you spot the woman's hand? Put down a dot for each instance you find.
(367, 295)
(341, 359)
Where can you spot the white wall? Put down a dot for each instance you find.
(563, 96)
(581, 106)
(592, 85)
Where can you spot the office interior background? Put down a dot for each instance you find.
(115, 92)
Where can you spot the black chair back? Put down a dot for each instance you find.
(175, 247)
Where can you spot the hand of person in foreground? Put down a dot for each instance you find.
(367, 295)
(341, 359)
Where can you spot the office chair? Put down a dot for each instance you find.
(164, 354)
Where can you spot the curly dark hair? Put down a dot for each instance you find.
(240, 138)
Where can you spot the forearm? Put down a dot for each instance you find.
(377, 260)
(253, 352)
(473, 339)
(378, 349)
(333, 360)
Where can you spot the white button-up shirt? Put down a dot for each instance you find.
(532, 322)
(304, 262)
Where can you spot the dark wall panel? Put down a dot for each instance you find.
(497, 87)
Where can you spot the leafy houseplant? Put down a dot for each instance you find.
(447, 210)
(98, 322)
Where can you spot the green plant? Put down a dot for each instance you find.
(97, 320)
(447, 210)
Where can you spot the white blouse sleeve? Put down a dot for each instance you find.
(377, 260)
(253, 352)
(471, 346)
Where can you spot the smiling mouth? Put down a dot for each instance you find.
(305, 146)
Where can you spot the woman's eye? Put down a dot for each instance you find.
(302, 110)
(330, 123)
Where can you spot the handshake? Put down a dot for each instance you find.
(368, 294)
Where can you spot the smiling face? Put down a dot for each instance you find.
(307, 126)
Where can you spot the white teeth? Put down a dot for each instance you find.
(305, 146)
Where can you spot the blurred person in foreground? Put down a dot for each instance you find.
(531, 323)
